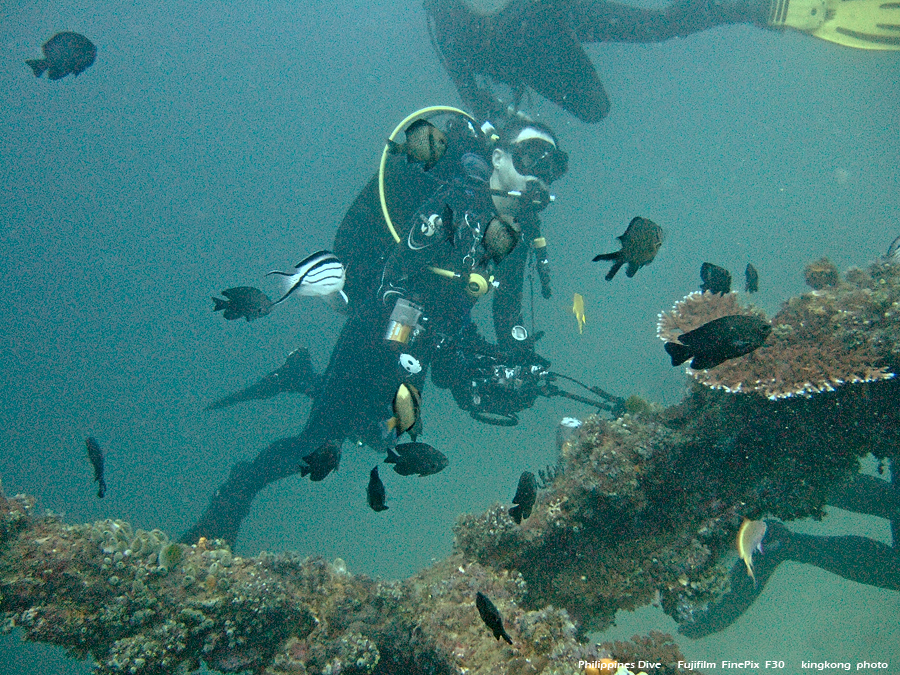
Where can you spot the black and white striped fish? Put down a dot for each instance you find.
(893, 253)
(320, 274)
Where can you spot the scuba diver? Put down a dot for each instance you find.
(538, 44)
(421, 245)
(852, 557)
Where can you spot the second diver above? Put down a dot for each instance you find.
(466, 227)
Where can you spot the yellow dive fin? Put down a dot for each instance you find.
(863, 24)
(578, 311)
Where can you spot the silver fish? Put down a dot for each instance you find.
(320, 274)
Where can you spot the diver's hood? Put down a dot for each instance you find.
(486, 7)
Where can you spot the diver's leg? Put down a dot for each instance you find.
(858, 559)
(602, 21)
(231, 503)
(534, 44)
(867, 494)
(743, 591)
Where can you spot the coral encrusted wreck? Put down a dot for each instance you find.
(640, 509)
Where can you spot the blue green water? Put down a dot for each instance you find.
(207, 146)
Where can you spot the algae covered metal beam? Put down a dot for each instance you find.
(137, 603)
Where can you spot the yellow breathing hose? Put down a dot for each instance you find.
(424, 112)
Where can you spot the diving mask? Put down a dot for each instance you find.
(537, 157)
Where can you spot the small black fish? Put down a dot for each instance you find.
(376, 492)
(715, 279)
(491, 616)
(416, 458)
(322, 462)
(65, 53)
(95, 454)
(526, 493)
(500, 237)
(425, 143)
(640, 243)
(751, 279)
(719, 340)
(243, 301)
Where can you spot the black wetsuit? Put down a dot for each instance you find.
(538, 44)
(353, 397)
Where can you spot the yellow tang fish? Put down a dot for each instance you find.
(578, 311)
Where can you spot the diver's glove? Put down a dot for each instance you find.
(863, 24)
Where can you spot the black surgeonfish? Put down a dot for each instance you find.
(491, 616)
(243, 301)
(95, 454)
(640, 243)
(715, 279)
(416, 458)
(425, 144)
(65, 53)
(751, 279)
(526, 493)
(719, 340)
(376, 492)
(322, 462)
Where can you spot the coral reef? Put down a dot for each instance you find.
(821, 274)
(645, 508)
(641, 509)
(97, 591)
(842, 333)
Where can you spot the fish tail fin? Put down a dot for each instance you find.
(606, 256)
(38, 66)
(516, 513)
(679, 352)
(392, 457)
(281, 299)
(615, 268)
(220, 304)
(387, 426)
(338, 301)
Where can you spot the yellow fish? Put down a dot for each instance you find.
(749, 540)
(578, 311)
